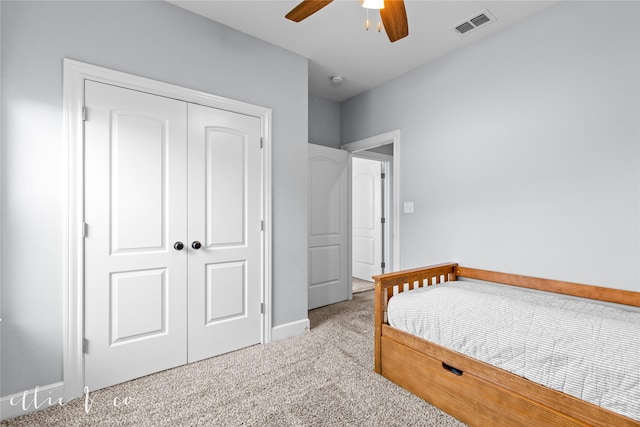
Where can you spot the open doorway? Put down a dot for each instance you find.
(369, 214)
(373, 209)
(367, 217)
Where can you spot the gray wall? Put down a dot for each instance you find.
(324, 122)
(151, 39)
(521, 152)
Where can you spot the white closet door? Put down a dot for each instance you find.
(328, 226)
(225, 256)
(367, 216)
(135, 211)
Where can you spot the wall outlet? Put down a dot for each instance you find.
(408, 207)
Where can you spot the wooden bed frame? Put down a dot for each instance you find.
(472, 391)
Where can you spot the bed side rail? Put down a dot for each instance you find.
(387, 285)
(618, 296)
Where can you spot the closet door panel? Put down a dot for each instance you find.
(135, 210)
(225, 199)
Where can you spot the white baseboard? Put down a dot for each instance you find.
(291, 329)
(31, 400)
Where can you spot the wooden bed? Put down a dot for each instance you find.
(472, 391)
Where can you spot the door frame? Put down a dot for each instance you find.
(392, 137)
(75, 74)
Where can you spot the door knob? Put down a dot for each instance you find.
(178, 246)
(196, 245)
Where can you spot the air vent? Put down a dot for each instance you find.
(478, 19)
(464, 27)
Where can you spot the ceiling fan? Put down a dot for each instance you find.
(393, 15)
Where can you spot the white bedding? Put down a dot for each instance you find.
(585, 349)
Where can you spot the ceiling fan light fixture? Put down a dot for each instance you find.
(373, 4)
(393, 16)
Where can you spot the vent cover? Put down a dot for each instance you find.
(474, 22)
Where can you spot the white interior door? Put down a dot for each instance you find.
(225, 279)
(135, 198)
(173, 250)
(329, 280)
(366, 218)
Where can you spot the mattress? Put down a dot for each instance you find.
(572, 345)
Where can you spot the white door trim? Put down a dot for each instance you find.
(392, 137)
(75, 74)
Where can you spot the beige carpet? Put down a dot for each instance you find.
(359, 285)
(324, 378)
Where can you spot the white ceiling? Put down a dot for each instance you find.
(336, 42)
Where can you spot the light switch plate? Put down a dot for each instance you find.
(408, 207)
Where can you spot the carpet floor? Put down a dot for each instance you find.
(359, 285)
(322, 378)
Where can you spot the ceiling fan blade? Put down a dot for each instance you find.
(305, 9)
(394, 18)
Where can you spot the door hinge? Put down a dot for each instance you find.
(261, 308)
(383, 265)
(85, 345)
(85, 229)
(261, 142)
(383, 175)
(383, 220)
(84, 113)
(262, 225)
